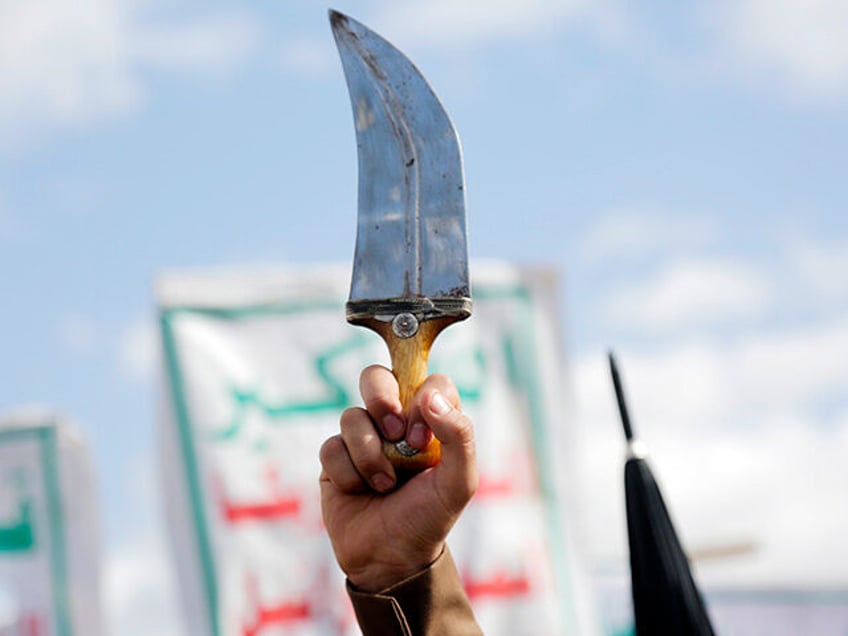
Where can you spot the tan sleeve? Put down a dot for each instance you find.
(430, 603)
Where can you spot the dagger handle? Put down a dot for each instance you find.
(409, 365)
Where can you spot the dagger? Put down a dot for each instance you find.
(410, 267)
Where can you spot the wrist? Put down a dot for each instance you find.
(377, 577)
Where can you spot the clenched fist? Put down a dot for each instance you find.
(384, 531)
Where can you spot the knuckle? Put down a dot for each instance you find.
(441, 379)
(378, 389)
(368, 460)
(368, 465)
(463, 426)
(446, 386)
(337, 466)
(371, 374)
(350, 417)
(367, 454)
(348, 482)
(465, 434)
(330, 449)
(371, 369)
(379, 403)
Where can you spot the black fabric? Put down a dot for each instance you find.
(666, 601)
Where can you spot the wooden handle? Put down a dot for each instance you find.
(409, 365)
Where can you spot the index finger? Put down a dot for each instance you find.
(380, 392)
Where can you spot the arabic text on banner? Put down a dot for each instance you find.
(259, 368)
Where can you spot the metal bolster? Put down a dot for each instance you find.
(385, 310)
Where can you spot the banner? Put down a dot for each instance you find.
(49, 584)
(260, 365)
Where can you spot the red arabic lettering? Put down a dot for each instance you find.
(32, 625)
(492, 487)
(277, 506)
(281, 614)
(283, 507)
(500, 585)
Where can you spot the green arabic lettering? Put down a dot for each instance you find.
(513, 369)
(18, 536)
(335, 397)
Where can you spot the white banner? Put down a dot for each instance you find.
(259, 367)
(49, 584)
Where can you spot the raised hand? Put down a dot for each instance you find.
(384, 527)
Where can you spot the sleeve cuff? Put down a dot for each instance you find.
(432, 601)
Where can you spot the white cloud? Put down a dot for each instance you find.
(62, 66)
(634, 233)
(802, 43)
(450, 24)
(791, 370)
(824, 267)
(136, 347)
(747, 431)
(216, 43)
(140, 591)
(308, 56)
(690, 293)
(140, 583)
(724, 383)
(446, 25)
(738, 447)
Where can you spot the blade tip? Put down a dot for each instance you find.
(338, 20)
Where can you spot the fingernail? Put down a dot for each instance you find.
(392, 426)
(439, 405)
(417, 436)
(381, 482)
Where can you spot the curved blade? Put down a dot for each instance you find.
(411, 245)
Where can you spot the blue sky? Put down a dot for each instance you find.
(683, 167)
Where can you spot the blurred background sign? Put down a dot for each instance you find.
(48, 533)
(260, 366)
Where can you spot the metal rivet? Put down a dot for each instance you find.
(405, 449)
(405, 325)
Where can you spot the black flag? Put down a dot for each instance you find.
(666, 601)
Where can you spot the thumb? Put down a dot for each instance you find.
(457, 472)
